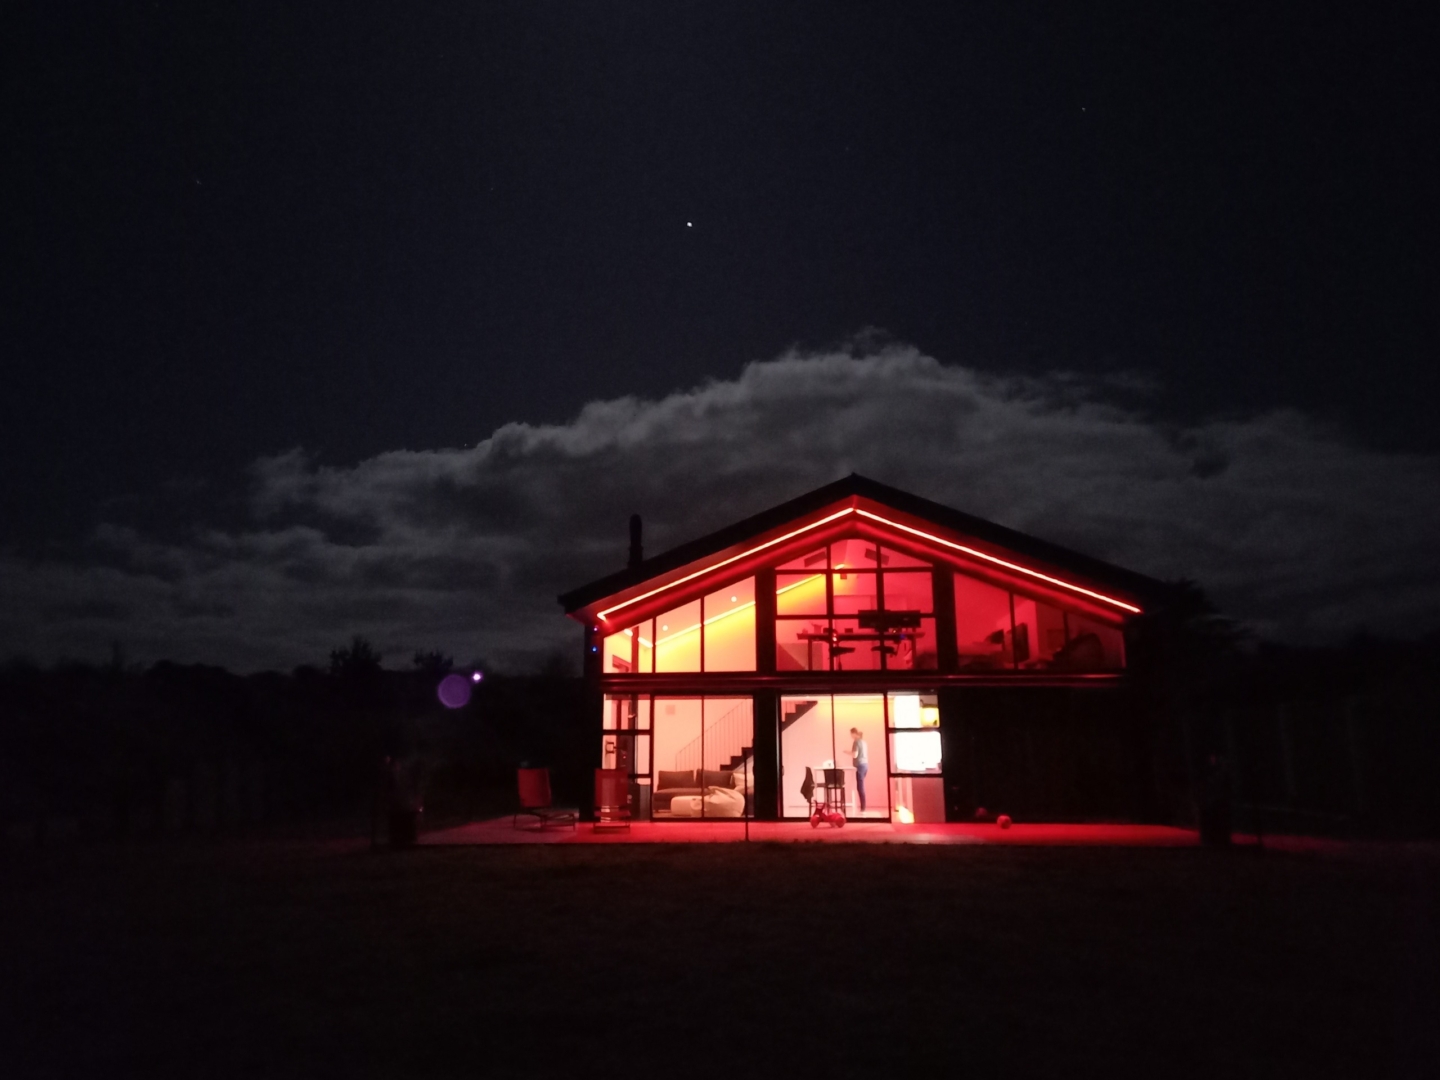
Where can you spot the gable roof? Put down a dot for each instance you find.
(855, 485)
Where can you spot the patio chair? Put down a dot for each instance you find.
(536, 800)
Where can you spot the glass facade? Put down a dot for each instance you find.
(851, 606)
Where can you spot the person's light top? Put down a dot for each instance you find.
(861, 752)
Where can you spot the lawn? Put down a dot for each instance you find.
(319, 958)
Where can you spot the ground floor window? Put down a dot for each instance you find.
(688, 757)
(875, 756)
(917, 791)
(881, 750)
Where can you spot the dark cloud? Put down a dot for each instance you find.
(1290, 526)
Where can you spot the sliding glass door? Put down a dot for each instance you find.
(693, 759)
(844, 732)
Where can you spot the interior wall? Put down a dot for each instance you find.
(807, 741)
(677, 722)
(867, 712)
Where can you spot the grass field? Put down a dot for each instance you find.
(319, 958)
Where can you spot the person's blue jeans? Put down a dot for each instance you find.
(860, 771)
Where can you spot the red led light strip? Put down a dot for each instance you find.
(604, 615)
(972, 552)
(1001, 562)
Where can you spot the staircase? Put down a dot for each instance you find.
(731, 729)
(789, 718)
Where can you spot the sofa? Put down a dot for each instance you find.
(697, 786)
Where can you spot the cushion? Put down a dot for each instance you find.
(682, 778)
(716, 778)
(724, 802)
(686, 805)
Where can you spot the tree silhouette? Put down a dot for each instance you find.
(433, 663)
(357, 661)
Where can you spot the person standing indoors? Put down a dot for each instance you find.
(861, 753)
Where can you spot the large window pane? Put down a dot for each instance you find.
(802, 645)
(730, 628)
(915, 751)
(1039, 633)
(982, 625)
(677, 641)
(865, 712)
(857, 647)
(854, 592)
(618, 652)
(815, 735)
(908, 591)
(800, 594)
(727, 741)
(678, 730)
(629, 650)
(910, 641)
(807, 741)
(1093, 646)
(915, 733)
(914, 650)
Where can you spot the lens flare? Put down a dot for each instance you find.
(454, 691)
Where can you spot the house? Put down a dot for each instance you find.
(984, 670)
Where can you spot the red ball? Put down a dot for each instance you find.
(1003, 821)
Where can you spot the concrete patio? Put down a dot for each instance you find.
(502, 831)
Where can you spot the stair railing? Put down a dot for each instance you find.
(731, 733)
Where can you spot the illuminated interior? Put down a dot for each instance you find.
(815, 736)
(713, 633)
(855, 606)
(850, 605)
(997, 630)
(688, 757)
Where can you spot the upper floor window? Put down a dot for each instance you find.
(997, 630)
(854, 606)
(713, 633)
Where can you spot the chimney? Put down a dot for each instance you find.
(637, 553)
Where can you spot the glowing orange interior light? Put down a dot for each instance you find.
(604, 615)
(631, 633)
(796, 584)
(712, 619)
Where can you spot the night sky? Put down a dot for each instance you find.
(382, 319)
